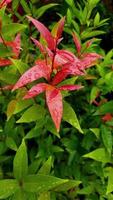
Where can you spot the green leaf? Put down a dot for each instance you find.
(69, 16)
(15, 4)
(11, 143)
(40, 11)
(69, 81)
(35, 132)
(94, 93)
(25, 6)
(107, 138)
(49, 125)
(67, 186)
(22, 104)
(99, 154)
(2, 12)
(46, 168)
(96, 131)
(41, 183)
(11, 108)
(11, 29)
(2, 147)
(92, 3)
(20, 195)
(9, 75)
(21, 162)
(33, 113)
(97, 19)
(86, 190)
(44, 196)
(110, 181)
(70, 116)
(21, 66)
(90, 34)
(7, 188)
(70, 2)
(105, 108)
(5, 51)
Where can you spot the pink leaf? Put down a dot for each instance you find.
(77, 42)
(54, 102)
(67, 55)
(39, 45)
(35, 90)
(70, 87)
(38, 71)
(62, 57)
(44, 32)
(68, 69)
(60, 27)
(15, 46)
(89, 59)
(4, 3)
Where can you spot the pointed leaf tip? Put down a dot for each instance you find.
(55, 105)
(71, 87)
(77, 42)
(44, 32)
(60, 27)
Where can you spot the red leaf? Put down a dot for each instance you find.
(44, 32)
(89, 43)
(68, 69)
(4, 3)
(38, 71)
(62, 57)
(39, 45)
(54, 102)
(60, 27)
(4, 62)
(35, 90)
(77, 42)
(67, 56)
(107, 117)
(15, 45)
(89, 59)
(70, 87)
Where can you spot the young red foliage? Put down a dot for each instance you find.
(38, 71)
(77, 42)
(55, 67)
(60, 28)
(53, 98)
(44, 32)
(107, 117)
(15, 46)
(55, 105)
(89, 59)
(4, 3)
